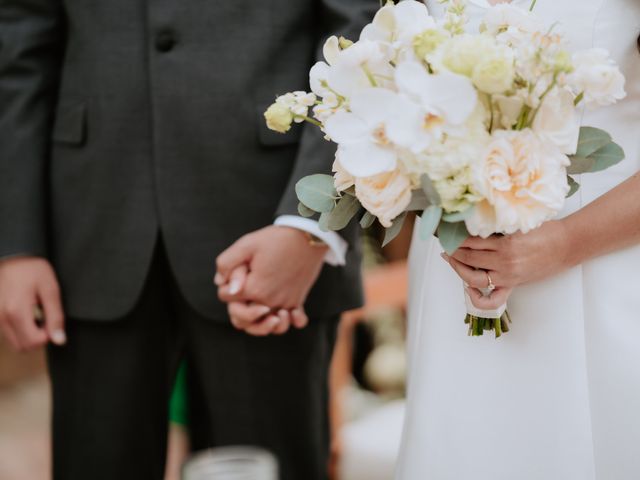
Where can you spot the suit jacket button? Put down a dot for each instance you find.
(165, 41)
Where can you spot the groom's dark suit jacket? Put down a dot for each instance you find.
(120, 119)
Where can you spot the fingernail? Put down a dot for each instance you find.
(264, 310)
(274, 321)
(59, 337)
(235, 287)
(218, 279)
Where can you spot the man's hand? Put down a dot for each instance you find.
(25, 284)
(272, 268)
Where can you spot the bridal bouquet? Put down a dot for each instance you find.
(479, 131)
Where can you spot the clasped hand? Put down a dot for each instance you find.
(510, 260)
(265, 278)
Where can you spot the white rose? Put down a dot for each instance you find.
(523, 183)
(557, 122)
(461, 53)
(495, 72)
(598, 77)
(386, 195)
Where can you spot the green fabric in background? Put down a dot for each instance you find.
(178, 404)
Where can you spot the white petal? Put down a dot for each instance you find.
(365, 158)
(453, 96)
(405, 126)
(331, 49)
(345, 127)
(374, 105)
(318, 74)
(346, 79)
(412, 17)
(412, 78)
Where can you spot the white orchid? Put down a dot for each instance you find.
(368, 135)
(445, 101)
(397, 25)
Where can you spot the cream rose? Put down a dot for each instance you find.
(557, 122)
(386, 195)
(598, 77)
(523, 182)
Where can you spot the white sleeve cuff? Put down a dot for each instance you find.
(338, 246)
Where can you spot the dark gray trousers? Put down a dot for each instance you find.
(112, 383)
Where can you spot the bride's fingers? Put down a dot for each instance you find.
(244, 315)
(473, 277)
(497, 298)
(479, 243)
(484, 259)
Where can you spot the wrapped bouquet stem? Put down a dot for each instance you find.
(477, 131)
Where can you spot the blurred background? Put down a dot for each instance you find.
(367, 385)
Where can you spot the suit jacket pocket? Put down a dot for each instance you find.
(70, 125)
(270, 138)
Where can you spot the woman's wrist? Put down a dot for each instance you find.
(570, 248)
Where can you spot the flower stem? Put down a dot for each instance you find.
(310, 120)
(533, 5)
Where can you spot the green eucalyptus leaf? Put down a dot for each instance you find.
(591, 139)
(430, 190)
(367, 220)
(345, 210)
(429, 221)
(317, 192)
(607, 156)
(580, 165)
(419, 201)
(575, 186)
(323, 221)
(305, 211)
(458, 216)
(452, 235)
(394, 230)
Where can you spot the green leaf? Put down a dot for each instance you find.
(590, 140)
(419, 201)
(367, 220)
(430, 190)
(317, 192)
(323, 222)
(429, 221)
(345, 210)
(452, 235)
(395, 229)
(458, 216)
(305, 211)
(580, 165)
(607, 156)
(575, 186)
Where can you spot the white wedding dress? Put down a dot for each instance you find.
(558, 397)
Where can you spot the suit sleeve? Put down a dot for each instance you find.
(315, 155)
(31, 43)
